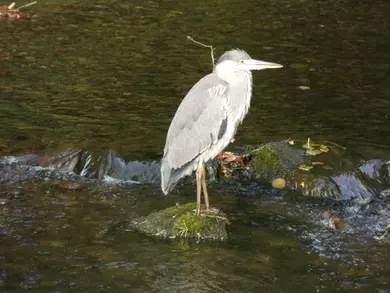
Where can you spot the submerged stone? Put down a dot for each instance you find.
(182, 222)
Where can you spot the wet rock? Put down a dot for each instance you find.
(364, 181)
(181, 222)
(319, 170)
(144, 172)
(274, 160)
(95, 165)
(64, 159)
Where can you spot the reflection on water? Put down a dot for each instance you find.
(109, 75)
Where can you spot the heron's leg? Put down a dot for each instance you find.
(198, 187)
(204, 187)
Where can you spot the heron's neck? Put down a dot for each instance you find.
(243, 88)
(239, 93)
(240, 88)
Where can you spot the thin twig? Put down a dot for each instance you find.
(207, 46)
(29, 4)
(327, 141)
(11, 5)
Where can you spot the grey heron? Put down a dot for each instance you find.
(207, 119)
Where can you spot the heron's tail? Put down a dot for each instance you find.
(170, 176)
(165, 177)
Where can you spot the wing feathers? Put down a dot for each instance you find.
(199, 122)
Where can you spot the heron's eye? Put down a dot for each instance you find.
(242, 61)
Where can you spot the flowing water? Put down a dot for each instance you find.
(109, 75)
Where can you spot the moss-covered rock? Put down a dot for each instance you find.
(319, 170)
(267, 163)
(182, 222)
(274, 160)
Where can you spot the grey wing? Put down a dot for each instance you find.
(199, 122)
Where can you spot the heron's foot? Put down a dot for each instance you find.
(202, 209)
(228, 158)
(213, 213)
(197, 212)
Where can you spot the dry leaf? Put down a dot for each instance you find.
(317, 163)
(305, 167)
(324, 148)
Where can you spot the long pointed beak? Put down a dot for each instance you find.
(253, 64)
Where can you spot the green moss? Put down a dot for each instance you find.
(182, 222)
(266, 163)
(275, 160)
(266, 154)
(182, 209)
(189, 225)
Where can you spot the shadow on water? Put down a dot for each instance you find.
(109, 75)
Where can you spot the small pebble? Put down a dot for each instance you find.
(279, 183)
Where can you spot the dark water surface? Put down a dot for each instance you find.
(110, 75)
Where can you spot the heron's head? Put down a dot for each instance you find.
(234, 61)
